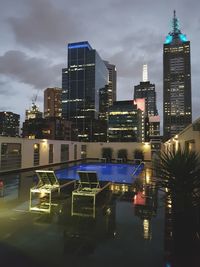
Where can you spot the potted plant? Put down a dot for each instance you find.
(107, 153)
(138, 155)
(122, 153)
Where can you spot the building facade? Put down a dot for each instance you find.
(107, 95)
(147, 91)
(47, 128)
(112, 82)
(81, 81)
(124, 122)
(177, 107)
(52, 102)
(9, 124)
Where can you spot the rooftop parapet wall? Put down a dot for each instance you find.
(22, 155)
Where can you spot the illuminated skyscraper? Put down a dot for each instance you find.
(112, 83)
(107, 94)
(146, 90)
(81, 81)
(125, 121)
(52, 102)
(177, 107)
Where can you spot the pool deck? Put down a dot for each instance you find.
(114, 238)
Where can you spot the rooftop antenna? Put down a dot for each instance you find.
(175, 24)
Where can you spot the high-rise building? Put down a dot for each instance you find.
(124, 122)
(107, 94)
(143, 122)
(112, 82)
(52, 102)
(81, 81)
(9, 124)
(177, 108)
(146, 90)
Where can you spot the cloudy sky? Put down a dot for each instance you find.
(34, 36)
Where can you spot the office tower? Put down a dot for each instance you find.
(112, 82)
(107, 94)
(103, 103)
(9, 124)
(143, 122)
(177, 108)
(124, 121)
(146, 90)
(81, 81)
(52, 102)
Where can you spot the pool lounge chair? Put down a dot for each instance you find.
(48, 183)
(89, 186)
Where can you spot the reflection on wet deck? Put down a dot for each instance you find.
(121, 232)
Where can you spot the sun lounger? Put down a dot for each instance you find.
(48, 183)
(89, 186)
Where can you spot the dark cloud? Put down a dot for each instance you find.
(37, 72)
(44, 26)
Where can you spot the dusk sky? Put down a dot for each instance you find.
(34, 36)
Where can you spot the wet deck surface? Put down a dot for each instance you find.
(121, 233)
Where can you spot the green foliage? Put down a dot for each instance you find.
(107, 153)
(179, 172)
(122, 153)
(138, 154)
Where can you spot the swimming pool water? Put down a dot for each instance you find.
(120, 173)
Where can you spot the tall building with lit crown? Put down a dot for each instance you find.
(81, 81)
(177, 107)
(146, 90)
(52, 102)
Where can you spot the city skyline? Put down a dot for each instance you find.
(34, 45)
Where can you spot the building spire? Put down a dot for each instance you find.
(175, 34)
(145, 73)
(175, 24)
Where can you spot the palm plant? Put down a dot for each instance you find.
(179, 172)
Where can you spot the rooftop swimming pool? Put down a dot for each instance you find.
(117, 173)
